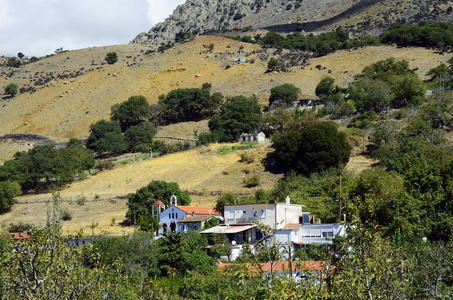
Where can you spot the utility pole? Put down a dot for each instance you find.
(135, 221)
(339, 213)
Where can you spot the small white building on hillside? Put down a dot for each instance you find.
(253, 137)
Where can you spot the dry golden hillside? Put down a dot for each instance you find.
(65, 108)
(204, 172)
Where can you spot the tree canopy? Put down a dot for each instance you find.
(287, 92)
(130, 112)
(106, 136)
(191, 104)
(319, 146)
(238, 115)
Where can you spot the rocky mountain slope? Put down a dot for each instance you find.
(359, 17)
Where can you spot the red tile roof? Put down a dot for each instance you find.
(199, 210)
(291, 226)
(158, 202)
(19, 235)
(284, 265)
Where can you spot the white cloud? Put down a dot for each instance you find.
(161, 9)
(38, 27)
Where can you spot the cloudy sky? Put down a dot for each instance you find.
(38, 27)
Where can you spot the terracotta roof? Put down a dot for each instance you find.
(297, 265)
(199, 210)
(292, 226)
(19, 235)
(158, 202)
(284, 265)
(190, 219)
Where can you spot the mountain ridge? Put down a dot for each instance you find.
(359, 17)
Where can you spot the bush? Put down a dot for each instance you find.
(247, 156)
(272, 64)
(81, 200)
(66, 215)
(104, 165)
(13, 62)
(11, 89)
(252, 181)
(20, 227)
(111, 58)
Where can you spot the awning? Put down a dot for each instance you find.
(228, 229)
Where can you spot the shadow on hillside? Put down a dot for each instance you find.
(270, 165)
(311, 26)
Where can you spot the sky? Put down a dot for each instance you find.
(39, 27)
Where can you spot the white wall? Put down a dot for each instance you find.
(288, 214)
(248, 213)
(170, 215)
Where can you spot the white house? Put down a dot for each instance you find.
(169, 219)
(253, 137)
(291, 226)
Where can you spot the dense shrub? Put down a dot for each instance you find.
(111, 58)
(319, 146)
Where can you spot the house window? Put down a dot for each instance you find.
(176, 215)
(231, 215)
(327, 234)
(244, 212)
(172, 215)
(263, 213)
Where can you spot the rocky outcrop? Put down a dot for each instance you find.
(196, 17)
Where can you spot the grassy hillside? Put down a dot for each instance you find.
(65, 107)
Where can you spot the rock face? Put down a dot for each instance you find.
(196, 17)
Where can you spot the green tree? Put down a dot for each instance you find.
(238, 115)
(148, 223)
(372, 95)
(373, 267)
(46, 267)
(325, 88)
(191, 104)
(13, 62)
(140, 137)
(287, 92)
(319, 146)
(8, 190)
(272, 64)
(130, 112)
(379, 198)
(181, 253)
(144, 198)
(111, 58)
(11, 89)
(106, 136)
